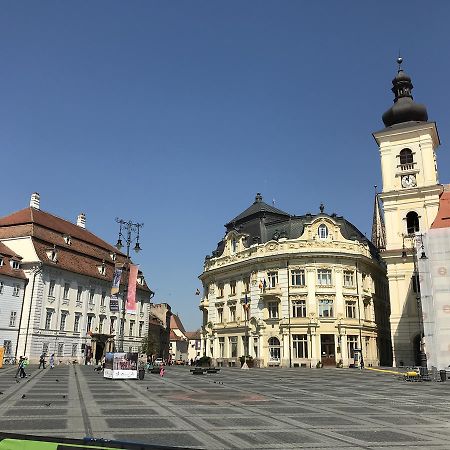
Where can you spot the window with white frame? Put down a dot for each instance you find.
(45, 348)
(350, 309)
(324, 277)
(352, 345)
(349, 278)
(233, 246)
(66, 291)
(1, 261)
(232, 313)
(7, 345)
(246, 282)
(220, 289)
(141, 328)
(322, 231)
(79, 293)
(233, 346)
(62, 325)
(102, 300)
(112, 325)
(16, 290)
(367, 311)
(272, 307)
(132, 322)
(233, 287)
(273, 279)
(12, 319)
(1, 287)
(60, 349)
(255, 347)
(274, 349)
(220, 315)
(51, 289)
(298, 308)
(74, 349)
(298, 277)
(90, 319)
(91, 296)
(300, 345)
(15, 264)
(76, 323)
(48, 319)
(101, 321)
(326, 308)
(221, 347)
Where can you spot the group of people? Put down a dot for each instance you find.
(23, 364)
(42, 361)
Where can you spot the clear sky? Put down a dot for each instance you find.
(176, 113)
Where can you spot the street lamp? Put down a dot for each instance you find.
(416, 285)
(129, 232)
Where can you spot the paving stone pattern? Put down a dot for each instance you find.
(259, 408)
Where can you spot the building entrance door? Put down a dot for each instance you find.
(327, 349)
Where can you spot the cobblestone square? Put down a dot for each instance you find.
(259, 408)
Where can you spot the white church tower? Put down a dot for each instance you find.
(410, 198)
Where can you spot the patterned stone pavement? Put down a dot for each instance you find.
(258, 408)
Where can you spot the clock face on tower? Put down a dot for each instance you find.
(408, 181)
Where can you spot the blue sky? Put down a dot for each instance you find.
(176, 113)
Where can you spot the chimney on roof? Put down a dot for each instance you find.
(81, 220)
(35, 201)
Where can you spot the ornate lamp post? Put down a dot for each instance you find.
(129, 232)
(416, 285)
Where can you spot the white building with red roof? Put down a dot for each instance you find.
(66, 304)
(12, 288)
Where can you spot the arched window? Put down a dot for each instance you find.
(412, 222)
(406, 156)
(323, 231)
(274, 349)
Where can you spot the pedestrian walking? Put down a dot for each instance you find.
(22, 365)
(19, 367)
(42, 361)
(161, 371)
(52, 361)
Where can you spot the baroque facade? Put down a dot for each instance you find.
(294, 291)
(66, 308)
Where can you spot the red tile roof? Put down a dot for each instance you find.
(175, 323)
(174, 337)
(5, 269)
(443, 216)
(193, 335)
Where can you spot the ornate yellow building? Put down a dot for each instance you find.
(294, 291)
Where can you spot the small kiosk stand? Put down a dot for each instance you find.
(120, 366)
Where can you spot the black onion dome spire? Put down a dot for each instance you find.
(404, 109)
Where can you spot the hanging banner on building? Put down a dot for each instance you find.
(114, 303)
(131, 306)
(116, 280)
(121, 366)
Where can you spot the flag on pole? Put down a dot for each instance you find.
(116, 280)
(131, 306)
(246, 305)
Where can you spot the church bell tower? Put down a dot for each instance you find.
(410, 198)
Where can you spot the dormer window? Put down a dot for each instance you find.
(67, 239)
(15, 264)
(113, 256)
(322, 231)
(1, 261)
(102, 268)
(52, 254)
(141, 279)
(233, 246)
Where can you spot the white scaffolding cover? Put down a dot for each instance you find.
(434, 276)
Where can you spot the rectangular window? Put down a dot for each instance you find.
(16, 290)
(348, 278)
(232, 313)
(352, 344)
(60, 349)
(76, 323)
(232, 287)
(246, 282)
(220, 315)
(1, 261)
(298, 278)
(255, 347)
(324, 277)
(233, 346)
(221, 347)
(273, 310)
(273, 279)
(299, 308)
(79, 293)
(45, 348)
(66, 291)
(12, 319)
(325, 308)
(300, 345)
(15, 264)
(102, 301)
(51, 289)
(367, 311)
(74, 349)
(7, 345)
(350, 309)
(1, 287)
(141, 328)
(112, 326)
(122, 327)
(62, 325)
(220, 289)
(132, 327)
(89, 323)
(91, 296)
(48, 319)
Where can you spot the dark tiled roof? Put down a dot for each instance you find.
(7, 256)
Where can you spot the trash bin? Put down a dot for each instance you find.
(141, 374)
(443, 375)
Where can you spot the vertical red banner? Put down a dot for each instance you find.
(131, 306)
